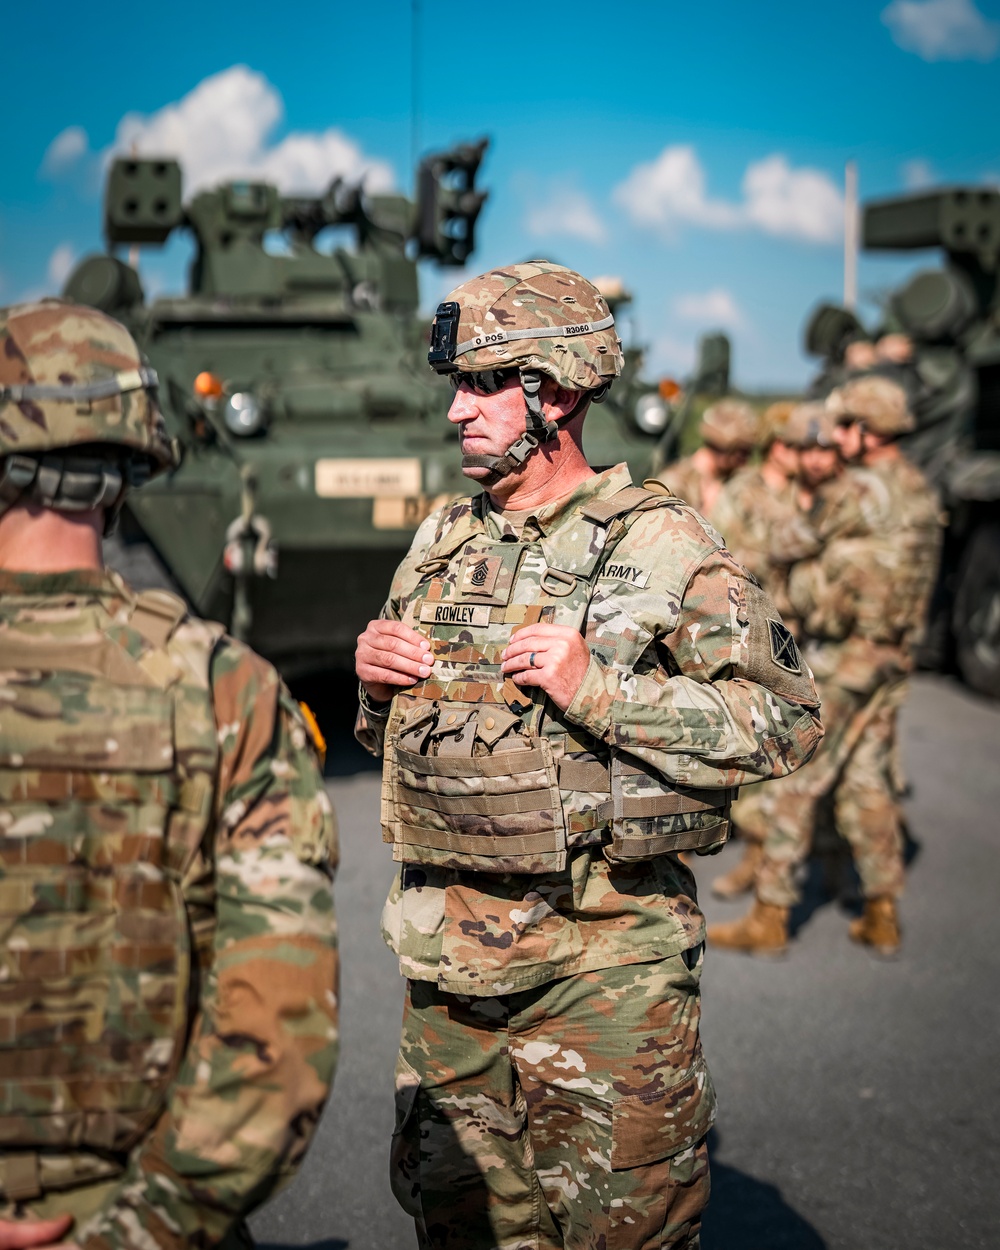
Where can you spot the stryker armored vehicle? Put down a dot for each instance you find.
(293, 375)
(950, 315)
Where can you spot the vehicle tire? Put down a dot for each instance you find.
(976, 617)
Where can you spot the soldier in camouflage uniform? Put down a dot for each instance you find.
(759, 515)
(862, 602)
(166, 847)
(569, 678)
(729, 434)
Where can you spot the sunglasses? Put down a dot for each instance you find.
(488, 382)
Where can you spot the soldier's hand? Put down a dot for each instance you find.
(36, 1234)
(389, 655)
(553, 657)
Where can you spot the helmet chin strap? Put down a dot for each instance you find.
(537, 431)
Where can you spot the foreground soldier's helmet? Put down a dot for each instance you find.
(730, 425)
(79, 422)
(543, 320)
(878, 403)
(809, 425)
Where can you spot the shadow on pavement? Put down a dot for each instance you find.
(748, 1214)
(332, 1243)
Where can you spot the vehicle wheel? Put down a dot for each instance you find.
(977, 612)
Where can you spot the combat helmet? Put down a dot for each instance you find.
(877, 402)
(730, 425)
(773, 422)
(79, 422)
(539, 318)
(809, 425)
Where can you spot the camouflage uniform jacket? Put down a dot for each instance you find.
(678, 679)
(766, 531)
(863, 599)
(243, 1100)
(683, 480)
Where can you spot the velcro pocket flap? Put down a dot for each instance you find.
(648, 1127)
(78, 722)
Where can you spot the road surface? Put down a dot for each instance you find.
(859, 1098)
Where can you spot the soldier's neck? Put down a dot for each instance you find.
(40, 540)
(881, 454)
(550, 473)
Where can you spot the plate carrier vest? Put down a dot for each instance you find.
(106, 791)
(479, 774)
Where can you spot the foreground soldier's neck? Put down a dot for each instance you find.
(40, 540)
(550, 473)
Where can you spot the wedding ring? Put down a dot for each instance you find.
(531, 659)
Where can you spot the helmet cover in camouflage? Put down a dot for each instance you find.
(774, 420)
(730, 425)
(878, 403)
(70, 375)
(537, 295)
(809, 425)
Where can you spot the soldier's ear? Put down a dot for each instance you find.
(557, 401)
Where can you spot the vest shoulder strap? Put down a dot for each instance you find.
(628, 499)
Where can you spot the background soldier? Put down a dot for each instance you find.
(166, 847)
(862, 603)
(729, 433)
(760, 516)
(581, 675)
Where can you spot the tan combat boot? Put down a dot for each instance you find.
(879, 926)
(743, 877)
(762, 931)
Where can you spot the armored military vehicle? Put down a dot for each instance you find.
(293, 375)
(946, 325)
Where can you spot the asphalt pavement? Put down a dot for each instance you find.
(859, 1098)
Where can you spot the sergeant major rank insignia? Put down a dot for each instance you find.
(784, 652)
(479, 577)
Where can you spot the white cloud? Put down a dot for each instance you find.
(61, 264)
(670, 190)
(65, 150)
(794, 203)
(716, 307)
(797, 203)
(223, 129)
(566, 213)
(943, 30)
(917, 174)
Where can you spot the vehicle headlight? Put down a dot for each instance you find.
(651, 414)
(242, 413)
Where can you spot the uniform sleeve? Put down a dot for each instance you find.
(253, 1081)
(711, 691)
(370, 725)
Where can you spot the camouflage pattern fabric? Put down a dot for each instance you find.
(766, 531)
(537, 294)
(863, 602)
(682, 678)
(53, 344)
(245, 1092)
(569, 1117)
(683, 479)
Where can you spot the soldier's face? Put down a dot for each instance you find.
(488, 424)
(848, 436)
(818, 465)
(727, 462)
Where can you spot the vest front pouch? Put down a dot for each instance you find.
(651, 817)
(95, 970)
(477, 793)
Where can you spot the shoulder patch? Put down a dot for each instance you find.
(784, 652)
(315, 733)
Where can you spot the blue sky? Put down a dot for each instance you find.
(696, 150)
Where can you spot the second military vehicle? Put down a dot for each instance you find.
(947, 323)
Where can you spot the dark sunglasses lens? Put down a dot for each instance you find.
(486, 383)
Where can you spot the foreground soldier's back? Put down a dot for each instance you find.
(166, 847)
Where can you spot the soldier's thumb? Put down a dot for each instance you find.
(21, 1234)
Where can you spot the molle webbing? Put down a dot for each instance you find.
(592, 775)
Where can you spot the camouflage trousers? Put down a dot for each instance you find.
(853, 765)
(569, 1116)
